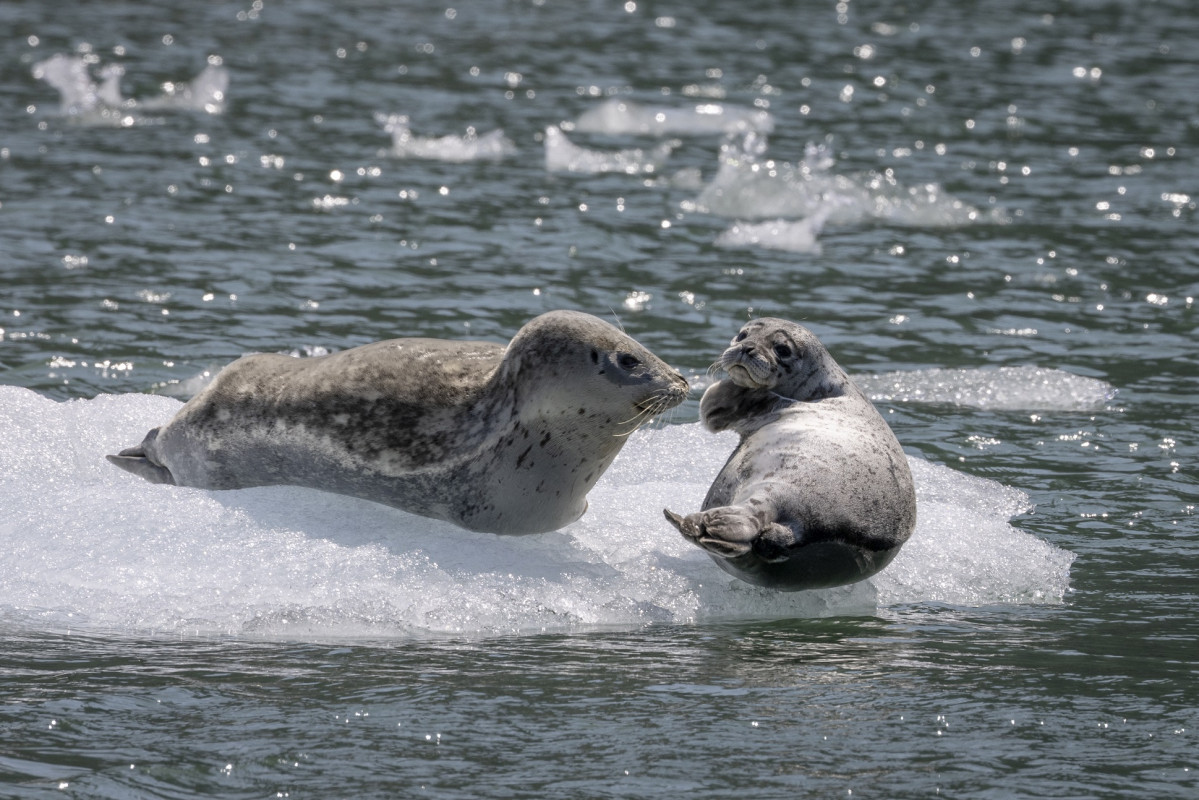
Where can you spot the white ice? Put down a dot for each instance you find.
(792, 236)
(748, 185)
(620, 117)
(205, 92)
(103, 104)
(563, 155)
(86, 546)
(472, 146)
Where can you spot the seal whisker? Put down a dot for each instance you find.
(637, 420)
(653, 406)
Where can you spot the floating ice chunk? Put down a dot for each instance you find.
(619, 117)
(563, 155)
(84, 101)
(965, 553)
(490, 146)
(109, 91)
(206, 92)
(779, 234)
(87, 546)
(70, 76)
(748, 185)
(999, 389)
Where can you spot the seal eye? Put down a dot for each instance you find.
(782, 351)
(740, 337)
(627, 362)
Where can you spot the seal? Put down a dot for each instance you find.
(818, 492)
(504, 439)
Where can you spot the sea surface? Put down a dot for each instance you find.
(987, 212)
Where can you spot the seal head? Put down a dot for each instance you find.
(818, 492)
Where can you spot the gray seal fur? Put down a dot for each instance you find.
(491, 438)
(818, 492)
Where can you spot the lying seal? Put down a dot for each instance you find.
(818, 492)
(491, 438)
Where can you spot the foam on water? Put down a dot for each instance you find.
(89, 103)
(749, 185)
(999, 389)
(473, 146)
(621, 117)
(84, 545)
(779, 234)
(563, 155)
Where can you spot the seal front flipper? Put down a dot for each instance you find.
(135, 460)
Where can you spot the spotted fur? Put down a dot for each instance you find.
(492, 438)
(818, 492)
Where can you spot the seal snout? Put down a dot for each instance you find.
(663, 398)
(747, 367)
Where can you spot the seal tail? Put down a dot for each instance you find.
(137, 461)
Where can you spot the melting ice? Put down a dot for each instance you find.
(619, 117)
(86, 546)
(563, 155)
(780, 234)
(103, 104)
(750, 186)
(490, 146)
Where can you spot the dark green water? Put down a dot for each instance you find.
(146, 654)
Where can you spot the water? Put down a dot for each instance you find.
(987, 213)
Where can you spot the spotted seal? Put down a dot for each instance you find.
(506, 439)
(818, 492)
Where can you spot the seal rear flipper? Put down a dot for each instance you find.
(727, 531)
(133, 459)
(676, 520)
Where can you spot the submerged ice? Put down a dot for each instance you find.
(87, 546)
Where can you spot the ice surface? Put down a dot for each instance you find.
(563, 155)
(999, 389)
(86, 546)
(621, 117)
(472, 146)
